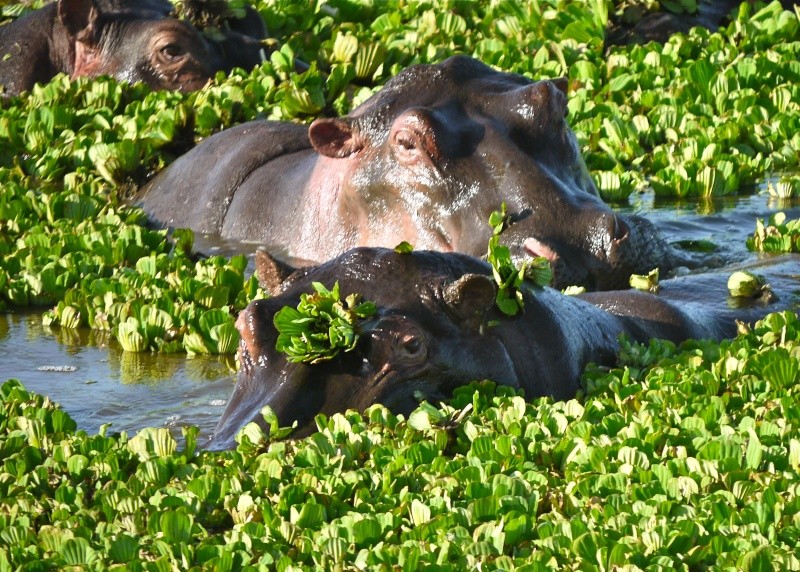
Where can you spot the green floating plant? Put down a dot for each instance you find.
(645, 282)
(210, 15)
(785, 187)
(509, 278)
(743, 284)
(321, 326)
(404, 248)
(701, 429)
(777, 235)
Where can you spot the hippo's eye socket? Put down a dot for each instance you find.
(172, 51)
(412, 345)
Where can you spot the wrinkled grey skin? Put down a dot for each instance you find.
(430, 334)
(132, 40)
(426, 160)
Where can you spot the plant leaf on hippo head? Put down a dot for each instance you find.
(321, 326)
(509, 278)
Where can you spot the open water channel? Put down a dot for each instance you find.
(97, 383)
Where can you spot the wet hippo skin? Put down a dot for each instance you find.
(133, 40)
(432, 333)
(426, 160)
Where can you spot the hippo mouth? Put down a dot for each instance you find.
(601, 264)
(535, 248)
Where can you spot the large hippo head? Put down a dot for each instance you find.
(131, 40)
(446, 144)
(430, 335)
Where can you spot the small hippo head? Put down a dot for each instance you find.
(426, 339)
(140, 43)
(446, 144)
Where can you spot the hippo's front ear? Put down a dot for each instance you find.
(79, 18)
(470, 298)
(271, 272)
(333, 137)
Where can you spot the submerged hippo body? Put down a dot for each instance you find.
(426, 160)
(432, 333)
(131, 40)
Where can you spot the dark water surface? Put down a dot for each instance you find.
(98, 383)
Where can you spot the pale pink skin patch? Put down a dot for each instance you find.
(536, 248)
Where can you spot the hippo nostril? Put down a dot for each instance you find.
(619, 229)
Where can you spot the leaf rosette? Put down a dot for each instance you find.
(321, 326)
(508, 277)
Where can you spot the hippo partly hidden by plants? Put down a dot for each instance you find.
(426, 160)
(437, 327)
(131, 40)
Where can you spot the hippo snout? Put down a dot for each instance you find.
(630, 245)
(612, 248)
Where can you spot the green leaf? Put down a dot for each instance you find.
(404, 248)
(78, 552)
(753, 453)
(321, 326)
(311, 515)
(124, 549)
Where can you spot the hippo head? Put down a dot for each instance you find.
(447, 144)
(427, 338)
(140, 43)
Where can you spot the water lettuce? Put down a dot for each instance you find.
(489, 480)
(322, 324)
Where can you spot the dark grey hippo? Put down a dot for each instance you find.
(426, 160)
(131, 40)
(432, 333)
(638, 24)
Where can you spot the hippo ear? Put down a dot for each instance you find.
(413, 137)
(271, 272)
(333, 137)
(562, 84)
(79, 18)
(470, 298)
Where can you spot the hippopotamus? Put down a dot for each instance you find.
(437, 327)
(638, 25)
(426, 160)
(133, 40)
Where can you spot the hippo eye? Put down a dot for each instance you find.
(172, 51)
(412, 345)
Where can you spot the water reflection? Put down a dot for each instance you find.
(97, 383)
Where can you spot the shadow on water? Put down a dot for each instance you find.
(97, 383)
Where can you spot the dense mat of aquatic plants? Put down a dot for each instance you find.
(705, 114)
(677, 459)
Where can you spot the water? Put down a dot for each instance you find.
(98, 383)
